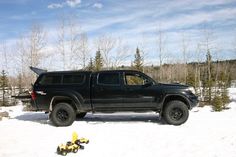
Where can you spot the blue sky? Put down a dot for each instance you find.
(135, 21)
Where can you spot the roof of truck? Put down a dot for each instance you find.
(66, 72)
(82, 71)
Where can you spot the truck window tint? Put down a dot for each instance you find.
(50, 79)
(134, 79)
(109, 78)
(73, 79)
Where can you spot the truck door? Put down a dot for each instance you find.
(139, 91)
(107, 91)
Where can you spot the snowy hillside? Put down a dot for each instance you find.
(205, 134)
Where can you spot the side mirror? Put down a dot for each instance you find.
(147, 84)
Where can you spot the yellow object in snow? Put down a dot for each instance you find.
(84, 140)
(72, 146)
(62, 146)
(69, 147)
(74, 137)
(76, 140)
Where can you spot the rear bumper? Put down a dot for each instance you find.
(37, 107)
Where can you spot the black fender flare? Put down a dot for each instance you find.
(181, 97)
(76, 98)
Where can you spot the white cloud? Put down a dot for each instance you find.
(70, 3)
(97, 5)
(73, 3)
(55, 6)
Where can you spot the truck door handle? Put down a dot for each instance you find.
(41, 92)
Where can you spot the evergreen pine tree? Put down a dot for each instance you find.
(138, 61)
(98, 61)
(222, 80)
(225, 98)
(217, 104)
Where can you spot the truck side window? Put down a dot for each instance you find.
(73, 79)
(50, 79)
(109, 78)
(135, 79)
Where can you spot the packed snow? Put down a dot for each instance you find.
(205, 134)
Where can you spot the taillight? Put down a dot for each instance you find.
(33, 95)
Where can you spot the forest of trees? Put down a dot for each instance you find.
(71, 49)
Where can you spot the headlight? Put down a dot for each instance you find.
(192, 90)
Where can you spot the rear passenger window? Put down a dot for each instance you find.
(50, 79)
(73, 79)
(109, 78)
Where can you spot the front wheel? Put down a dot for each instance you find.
(176, 112)
(62, 114)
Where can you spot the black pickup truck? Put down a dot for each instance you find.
(70, 94)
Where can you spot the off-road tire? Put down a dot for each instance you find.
(62, 114)
(175, 112)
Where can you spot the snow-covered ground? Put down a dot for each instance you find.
(205, 134)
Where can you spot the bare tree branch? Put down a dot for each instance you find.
(106, 44)
(122, 53)
(37, 42)
(61, 42)
(160, 46)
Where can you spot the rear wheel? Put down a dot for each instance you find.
(81, 115)
(176, 112)
(62, 114)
